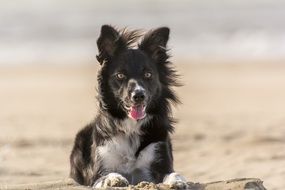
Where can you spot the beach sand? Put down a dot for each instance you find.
(231, 122)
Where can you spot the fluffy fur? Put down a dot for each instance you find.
(129, 138)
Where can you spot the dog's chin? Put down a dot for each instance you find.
(136, 112)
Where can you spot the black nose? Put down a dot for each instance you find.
(138, 96)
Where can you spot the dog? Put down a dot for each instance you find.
(129, 140)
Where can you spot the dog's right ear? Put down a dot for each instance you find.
(108, 43)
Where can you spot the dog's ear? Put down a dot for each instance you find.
(108, 43)
(154, 44)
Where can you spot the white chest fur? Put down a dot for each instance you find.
(118, 154)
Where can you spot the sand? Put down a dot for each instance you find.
(70, 184)
(231, 122)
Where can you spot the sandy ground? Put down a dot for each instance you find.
(231, 122)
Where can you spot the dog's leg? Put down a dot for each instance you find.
(111, 180)
(176, 181)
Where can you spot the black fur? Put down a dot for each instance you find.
(117, 54)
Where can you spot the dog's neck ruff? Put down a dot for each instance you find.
(131, 127)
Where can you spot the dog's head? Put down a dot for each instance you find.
(134, 81)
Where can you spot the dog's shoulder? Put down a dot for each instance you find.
(84, 136)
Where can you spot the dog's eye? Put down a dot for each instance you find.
(147, 75)
(120, 76)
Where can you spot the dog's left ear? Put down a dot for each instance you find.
(108, 43)
(154, 44)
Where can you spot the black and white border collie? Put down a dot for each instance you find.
(129, 140)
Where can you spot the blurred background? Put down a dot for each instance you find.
(65, 31)
(230, 55)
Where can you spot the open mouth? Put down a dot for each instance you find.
(137, 112)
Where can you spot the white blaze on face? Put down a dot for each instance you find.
(137, 87)
(137, 112)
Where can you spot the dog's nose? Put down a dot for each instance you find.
(138, 96)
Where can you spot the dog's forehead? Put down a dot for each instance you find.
(134, 59)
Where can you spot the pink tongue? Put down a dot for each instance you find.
(137, 112)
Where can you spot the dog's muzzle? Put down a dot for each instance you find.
(137, 110)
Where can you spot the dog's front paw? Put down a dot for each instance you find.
(111, 180)
(175, 181)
